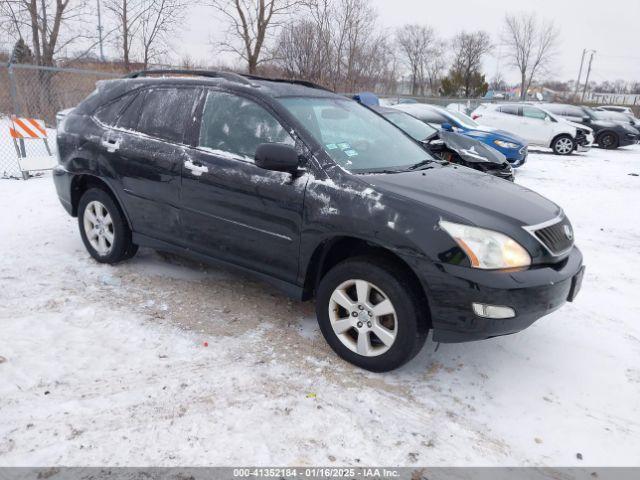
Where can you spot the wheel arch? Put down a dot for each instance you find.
(332, 251)
(83, 182)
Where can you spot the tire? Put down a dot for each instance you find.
(388, 285)
(563, 145)
(609, 141)
(100, 218)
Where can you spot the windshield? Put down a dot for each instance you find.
(414, 127)
(463, 119)
(353, 136)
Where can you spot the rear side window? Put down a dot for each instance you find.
(109, 113)
(510, 109)
(129, 118)
(236, 125)
(167, 112)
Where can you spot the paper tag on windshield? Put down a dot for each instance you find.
(351, 153)
(344, 146)
(331, 146)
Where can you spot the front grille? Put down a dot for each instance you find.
(558, 238)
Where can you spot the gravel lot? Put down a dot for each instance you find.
(161, 361)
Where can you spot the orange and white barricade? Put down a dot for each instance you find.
(24, 130)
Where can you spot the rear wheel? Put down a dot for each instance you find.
(563, 145)
(371, 314)
(103, 228)
(609, 141)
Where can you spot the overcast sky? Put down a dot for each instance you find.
(608, 26)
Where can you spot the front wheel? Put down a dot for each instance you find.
(103, 228)
(371, 314)
(563, 145)
(608, 141)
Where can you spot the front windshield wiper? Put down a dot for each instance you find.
(422, 165)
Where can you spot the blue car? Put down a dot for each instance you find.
(510, 145)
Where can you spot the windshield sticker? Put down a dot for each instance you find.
(351, 153)
(344, 146)
(331, 146)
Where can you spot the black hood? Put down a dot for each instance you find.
(476, 197)
(470, 149)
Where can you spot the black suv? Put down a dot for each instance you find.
(320, 196)
(608, 133)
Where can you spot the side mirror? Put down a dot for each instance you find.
(547, 119)
(277, 157)
(586, 119)
(447, 126)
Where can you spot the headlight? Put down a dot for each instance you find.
(487, 249)
(503, 144)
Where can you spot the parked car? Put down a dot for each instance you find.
(616, 108)
(450, 146)
(621, 117)
(608, 133)
(320, 196)
(511, 146)
(537, 126)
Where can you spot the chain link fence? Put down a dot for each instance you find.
(35, 92)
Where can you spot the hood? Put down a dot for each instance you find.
(471, 150)
(579, 125)
(476, 197)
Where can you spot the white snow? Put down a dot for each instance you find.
(108, 365)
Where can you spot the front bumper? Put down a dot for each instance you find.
(628, 139)
(531, 293)
(585, 143)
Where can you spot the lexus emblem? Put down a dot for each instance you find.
(568, 232)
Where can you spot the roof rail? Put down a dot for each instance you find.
(304, 83)
(231, 76)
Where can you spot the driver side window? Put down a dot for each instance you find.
(236, 125)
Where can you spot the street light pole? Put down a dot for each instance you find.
(575, 93)
(586, 82)
(100, 31)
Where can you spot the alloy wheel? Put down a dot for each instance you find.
(564, 146)
(98, 226)
(363, 317)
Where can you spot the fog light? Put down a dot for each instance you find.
(493, 311)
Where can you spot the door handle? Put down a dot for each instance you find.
(110, 144)
(196, 170)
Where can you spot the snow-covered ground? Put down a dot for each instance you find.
(109, 365)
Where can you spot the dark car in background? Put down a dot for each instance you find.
(319, 196)
(450, 146)
(511, 146)
(608, 133)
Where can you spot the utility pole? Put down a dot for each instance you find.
(100, 32)
(586, 82)
(575, 93)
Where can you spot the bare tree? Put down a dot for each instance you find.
(158, 23)
(43, 23)
(416, 44)
(436, 65)
(336, 43)
(250, 23)
(530, 46)
(469, 48)
(145, 27)
(127, 15)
